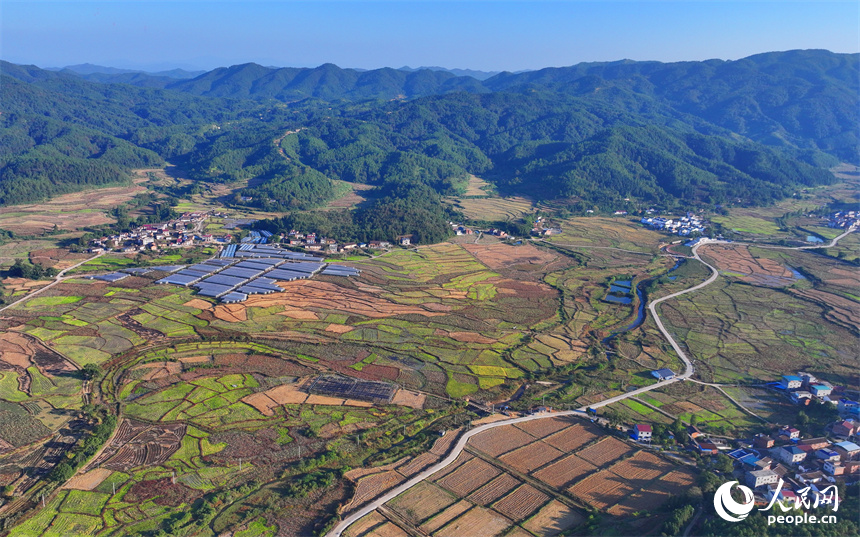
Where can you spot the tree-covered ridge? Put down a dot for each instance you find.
(806, 99)
(592, 133)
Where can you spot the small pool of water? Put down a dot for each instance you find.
(623, 283)
(619, 299)
(673, 278)
(796, 274)
(619, 289)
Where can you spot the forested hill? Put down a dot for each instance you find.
(800, 98)
(744, 132)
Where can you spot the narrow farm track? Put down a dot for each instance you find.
(57, 279)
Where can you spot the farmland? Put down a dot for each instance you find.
(511, 493)
(216, 408)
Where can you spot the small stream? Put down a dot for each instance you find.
(640, 312)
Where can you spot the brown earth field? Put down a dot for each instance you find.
(69, 211)
(736, 258)
(621, 479)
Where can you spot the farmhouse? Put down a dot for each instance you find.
(845, 428)
(663, 374)
(827, 455)
(641, 433)
(759, 478)
(820, 390)
(791, 454)
(848, 407)
(801, 397)
(791, 382)
(814, 443)
(763, 441)
(847, 450)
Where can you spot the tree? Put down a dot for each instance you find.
(91, 371)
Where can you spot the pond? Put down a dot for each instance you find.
(619, 299)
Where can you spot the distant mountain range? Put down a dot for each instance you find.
(748, 131)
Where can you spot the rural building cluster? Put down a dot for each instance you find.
(805, 388)
(844, 219)
(182, 232)
(683, 226)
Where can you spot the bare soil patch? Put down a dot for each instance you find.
(476, 521)
(553, 519)
(88, 480)
(564, 472)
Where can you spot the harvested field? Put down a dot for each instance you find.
(262, 402)
(494, 490)
(677, 481)
(232, 313)
(531, 457)
(88, 480)
(140, 444)
(546, 427)
(407, 398)
(602, 489)
(388, 529)
(553, 519)
(446, 516)
(564, 472)
(372, 486)
(364, 524)
(641, 468)
(418, 464)
(525, 257)
(500, 440)
(642, 500)
(68, 211)
(443, 445)
(476, 521)
(469, 477)
(421, 502)
(737, 259)
(338, 328)
(199, 304)
(573, 437)
(461, 459)
(605, 451)
(492, 209)
(521, 503)
(839, 310)
(301, 295)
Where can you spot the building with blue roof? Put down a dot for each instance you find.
(791, 382)
(663, 374)
(847, 450)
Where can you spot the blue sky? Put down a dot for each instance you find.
(477, 34)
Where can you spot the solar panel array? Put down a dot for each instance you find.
(350, 388)
(247, 269)
(340, 270)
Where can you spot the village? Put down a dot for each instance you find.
(683, 225)
(806, 465)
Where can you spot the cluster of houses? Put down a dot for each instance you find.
(683, 226)
(541, 227)
(312, 243)
(844, 219)
(805, 388)
(800, 462)
(177, 233)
